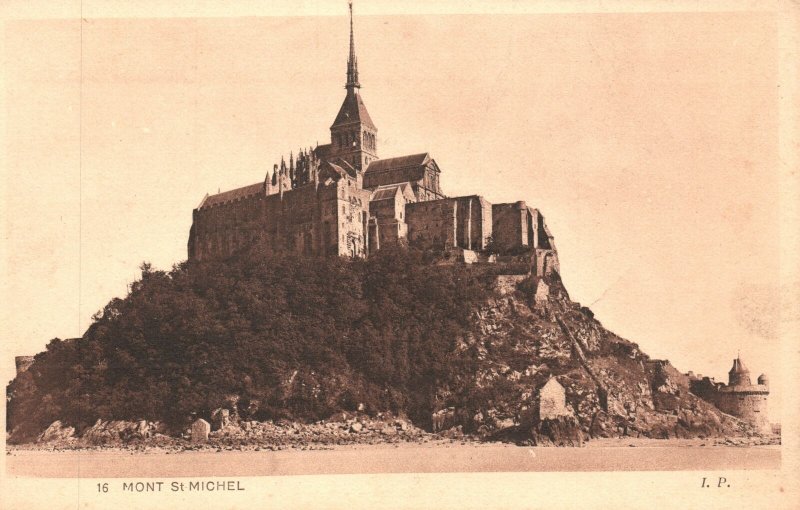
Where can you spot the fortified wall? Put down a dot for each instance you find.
(739, 397)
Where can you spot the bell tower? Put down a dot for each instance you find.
(354, 138)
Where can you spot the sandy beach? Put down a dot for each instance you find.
(439, 457)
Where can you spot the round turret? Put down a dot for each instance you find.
(739, 375)
(521, 205)
(763, 380)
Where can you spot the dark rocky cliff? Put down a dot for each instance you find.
(531, 331)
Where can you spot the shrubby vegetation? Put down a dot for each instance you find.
(293, 337)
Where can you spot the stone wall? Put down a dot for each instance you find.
(23, 363)
(474, 222)
(517, 227)
(389, 226)
(432, 224)
(462, 222)
(704, 387)
(353, 211)
(543, 239)
(309, 220)
(512, 227)
(748, 402)
(545, 262)
(750, 406)
(339, 217)
(220, 230)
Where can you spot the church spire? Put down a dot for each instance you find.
(352, 61)
(353, 133)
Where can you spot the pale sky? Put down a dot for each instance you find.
(648, 141)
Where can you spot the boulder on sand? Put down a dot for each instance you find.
(200, 431)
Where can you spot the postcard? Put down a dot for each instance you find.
(372, 254)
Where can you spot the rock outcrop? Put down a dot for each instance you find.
(612, 388)
(57, 433)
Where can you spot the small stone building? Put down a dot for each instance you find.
(553, 401)
(200, 431)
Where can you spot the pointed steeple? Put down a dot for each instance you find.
(353, 109)
(352, 61)
(353, 130)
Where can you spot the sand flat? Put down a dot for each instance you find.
(400, 458)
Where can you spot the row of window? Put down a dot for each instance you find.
(351, 139)
(370, 141)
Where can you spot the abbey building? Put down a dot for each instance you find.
(343, 199)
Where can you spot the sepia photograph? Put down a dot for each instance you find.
(366, 254)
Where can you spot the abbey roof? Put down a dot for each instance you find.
(410, 161)
(382, 172)
(231, 195)
(389, 192)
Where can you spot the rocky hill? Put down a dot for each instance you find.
(529, 334)
(440, 347)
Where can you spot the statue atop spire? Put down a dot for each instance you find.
(352, 61)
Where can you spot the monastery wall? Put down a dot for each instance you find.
(542, 237)
(389, 221)
(220, 230)
(512, 226)
(305, 220)
(463, 222)
(353, 215)
(474, 222)
(432, 224)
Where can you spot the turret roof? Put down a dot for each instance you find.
(738, 367)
